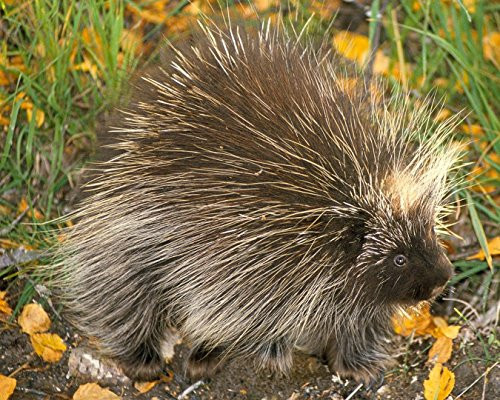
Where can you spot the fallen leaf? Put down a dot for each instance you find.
(417, 321)
(442, 114)
(263, 5)
(325, 9)
(92, 391)
(352, 46)
(22, 206)
(493, 246)
(7, 386)
(34, 319)
(441, 350)
(4, 306)
(381, 63)
(49, 346)
(491, 47)
(39, 116)
(144, 387)
(440, 383)
(451, 331)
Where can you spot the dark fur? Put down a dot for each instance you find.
(239, 167)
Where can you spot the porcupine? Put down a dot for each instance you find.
(258, 204)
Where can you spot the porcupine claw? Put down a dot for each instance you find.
(376, 382)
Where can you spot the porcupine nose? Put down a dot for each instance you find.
(445, 271)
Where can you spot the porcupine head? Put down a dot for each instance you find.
(259, 204)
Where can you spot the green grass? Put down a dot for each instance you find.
(47, 36)
(441, 41)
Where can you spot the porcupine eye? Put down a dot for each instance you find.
(399, 260)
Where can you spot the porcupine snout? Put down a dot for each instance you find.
(444, 271)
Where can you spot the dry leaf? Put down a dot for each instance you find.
(491, 47)
(49, 346)
(34, 319)
(92, 391)
(4, 306)
(418, 321)
(450, 331)
(39, 116)
(440, 383)
(352, 46)
(441, 350)
(442, 114)
(381, 63)
(493, 246)
(7, 386)
(144, 387)
(473, 129)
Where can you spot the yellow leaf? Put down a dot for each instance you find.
(154, 16)
(4, 120)
(451, 331)
(352, 46)
(442, 114)
(49, 346)
(493, 246)
(473, 129)
(4, 306)
(22, 206)
(131, 40)
(440, 383)
(9, 244)
(263, 5)
(144, 387)
(92, 391)
(86, 66)
(34, 319)
(381, 63)
(325, 9)
(39, 116)
(441, 350)
(491, 47)
(7, 386)
(4, 79)
(418, 321)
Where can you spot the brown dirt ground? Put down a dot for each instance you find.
(308, 379)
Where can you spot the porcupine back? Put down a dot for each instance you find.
(234, 209)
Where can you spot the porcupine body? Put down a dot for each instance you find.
(258, 204)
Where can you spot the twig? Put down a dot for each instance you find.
(358, 388)
(24, 366)
(468, 305)
(13, 224)
(376, 39)
(18, 256)
(191, 388)
(485, 373)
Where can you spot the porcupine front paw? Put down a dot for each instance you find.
(370, 374)
(365, 367)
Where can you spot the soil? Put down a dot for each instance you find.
(309, 379)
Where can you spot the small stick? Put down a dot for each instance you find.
(485, 373)
(13, 224)
(358, 388)
(190, 389)
(376, 38)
